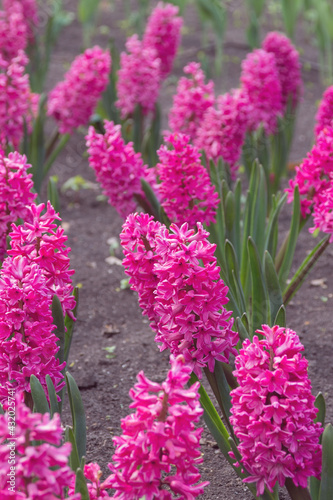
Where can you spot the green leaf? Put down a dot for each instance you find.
(272, 225)
(54, 407)
(321, 405)
(273, 287)
(230, 211)
(326, 483)
(233, 275)
(260, 302)
(87, 10)
(242, 331)
(58, 320)
(70, 323)
(38, 395)
(74, 461)
(81, 485)
(151, 197)
(280, 318)
(78, 414)
(53, 195)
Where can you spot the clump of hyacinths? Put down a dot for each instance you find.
(40, 467)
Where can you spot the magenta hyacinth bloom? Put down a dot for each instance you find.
(191, 101)
(187, 194)
(158, 452)
(28, 345)
(324, 116)
(13, 31)
(96, 489)
(118, 168)
(180, 289)
(222, 130)
(139, 78)
(138, 239)
(18, 105)
(288, 66)
(273, 411)
(42, 242)
(73, 101)
(41, 471)
(163, 33)
(261, 85)
(15, 193)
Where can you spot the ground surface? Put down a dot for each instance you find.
(109, 316)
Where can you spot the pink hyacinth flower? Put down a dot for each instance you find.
(163, 34)
(96, 489)
(187, 194)
(191, 101)
(261, 85)
(288, 66)
(15, 193)
(73, 101)
(18, 105)
(273, 411)
(139, 78)
(40, 470)
(118, 168)
(13, 31)
(222, 130)
(158, 452)
(324, 116)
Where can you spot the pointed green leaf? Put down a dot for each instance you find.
(321, 405)
(38, 395)
(260, 302)
(288, 253)
(272, 225)
(242, 331)
(81, 485)
(326, 484)
(78, 414)
(70, 323)
(58, 320)
(151, 197)
(273, 287)
(230, 211)
(280, 318)
(54, 407)
(74, 461)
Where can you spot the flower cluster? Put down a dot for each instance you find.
(191, 101)
(158, 452)
(15, 193)
(187, 305)
(18, 105)
(40, 470)
(96, 489)
(324, 117)
(13, 31)
(28, 345)
(273, 411)
(72, 101)
(139, 78)
(288, 66)
(314, 179)
(186, 192)
(43, 243)
(222, 131)
(118, 168)
(261, 85)
(163, 34)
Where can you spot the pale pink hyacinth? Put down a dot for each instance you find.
(28, 345)
(273, 411)
(191, 101)
(15, 193)
(73, 101)
(314, 180)
(43, 243)
(13, 31)
(261, 85)
(41, 471)
(118, 168)
(138, 239)
(139, 78)
(324, 116)
(288, 66)
(158, 453)
(222, 130)
(186, 192)
(187, 296)
(163, 33)
(18, 105)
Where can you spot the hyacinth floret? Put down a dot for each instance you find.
(15, 193)
(13, 31)
(163, 34)
(324, 116)
(42, 242)
(118, 168)
(158, 452)
(273, 411)
(186, 192)
(261, 85)
(191, 101)
(138, 239)
(222, 130)
(28, 345)
(288, 66)
(41, 470)
(72, 101)
(139, 78)
(18, 105)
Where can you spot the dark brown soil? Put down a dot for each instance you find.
(109, 316)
